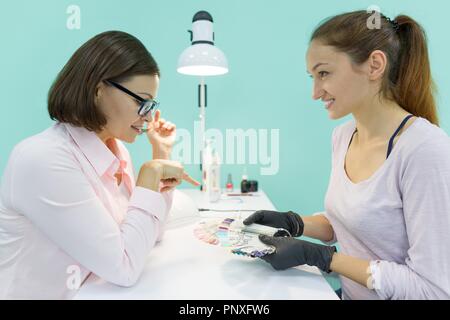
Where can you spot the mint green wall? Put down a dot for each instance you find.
(267, 87)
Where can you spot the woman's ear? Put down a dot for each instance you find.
(377, 64)
(99, 90)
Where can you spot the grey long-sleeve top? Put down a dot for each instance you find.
(399, 218)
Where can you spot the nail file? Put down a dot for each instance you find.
(257, 228)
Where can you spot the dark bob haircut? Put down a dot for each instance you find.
(112, 55)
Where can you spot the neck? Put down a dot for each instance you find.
(377, 120)
(103, 135)
(108, 140)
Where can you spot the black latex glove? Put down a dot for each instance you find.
(290, 221)
(291, 252)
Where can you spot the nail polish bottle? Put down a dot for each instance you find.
(229, 185)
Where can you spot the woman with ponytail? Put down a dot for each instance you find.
(388, 200)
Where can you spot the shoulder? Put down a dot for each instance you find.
(427, 137)
(43, 149)
(427, 146)
(38, 158)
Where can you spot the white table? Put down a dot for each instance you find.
(182, 267)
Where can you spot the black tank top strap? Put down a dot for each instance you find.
(351, 139)
(391, 140)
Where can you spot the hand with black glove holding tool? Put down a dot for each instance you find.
(288, 221)
(291, 252)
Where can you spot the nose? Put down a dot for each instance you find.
(317, 91)
(147, 117)
(140, 120)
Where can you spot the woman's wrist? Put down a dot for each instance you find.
(350, 267)
(149, 176)
(161, 152)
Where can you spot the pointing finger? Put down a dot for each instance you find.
(189, 179)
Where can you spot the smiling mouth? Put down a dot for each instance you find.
(328, 103)
(139, 130)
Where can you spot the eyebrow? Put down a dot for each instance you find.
(316, 66)
(148, 94)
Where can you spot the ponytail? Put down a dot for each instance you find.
(414, 88)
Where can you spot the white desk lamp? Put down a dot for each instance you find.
(202, 59)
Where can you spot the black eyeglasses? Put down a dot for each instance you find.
(146, 105)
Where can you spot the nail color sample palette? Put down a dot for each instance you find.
(222, 233)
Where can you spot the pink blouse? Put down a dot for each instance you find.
(63, 215)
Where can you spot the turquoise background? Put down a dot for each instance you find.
(267, 86)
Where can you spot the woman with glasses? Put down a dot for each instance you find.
(70, 202)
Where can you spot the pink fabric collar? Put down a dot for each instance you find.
(103, 159)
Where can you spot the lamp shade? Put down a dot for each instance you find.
(202, 58)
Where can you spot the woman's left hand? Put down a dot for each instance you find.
(162, 136)
(292, 252)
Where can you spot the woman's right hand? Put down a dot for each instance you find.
(170, 173)
(289, 221)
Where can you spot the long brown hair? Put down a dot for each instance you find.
(111, 55)
(407, 79)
